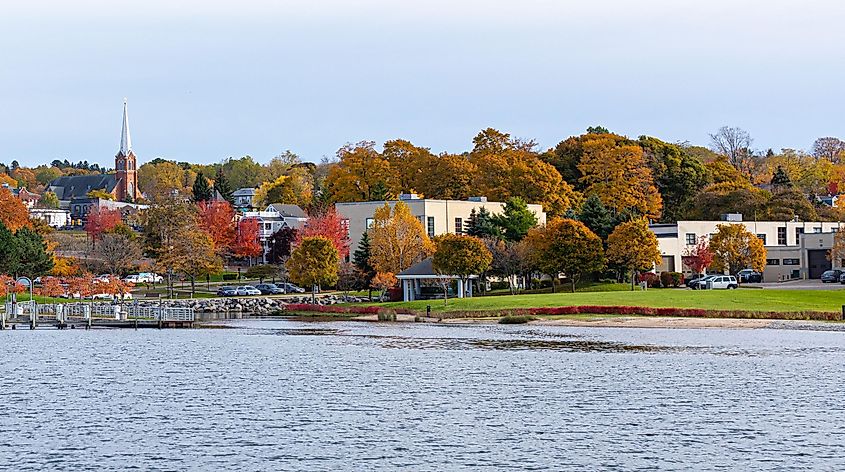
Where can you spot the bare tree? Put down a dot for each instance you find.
(829, 148)
(118, 252)
(735, 144)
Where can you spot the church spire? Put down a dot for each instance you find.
(125, 140)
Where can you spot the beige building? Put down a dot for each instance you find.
(796, 249)
(437, 216)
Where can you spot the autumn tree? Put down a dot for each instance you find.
(460, 255)
(829, 148)
(314, 262)
(384, 281)
(698, 257)
(566, 246)
(13, 213)
(293, 188)
(445, 177)
(49, 200)
(247, 242)
(397, 239)
(119, 251)
(330, 225)
(281, 244)
(407, 165)
(634, 247)
(192, 254)
(217, 219)
(100, 220)
(243, 172)
(735, 248)
(678, 175)
(837, 251)
(515, 220)
(158, 179)
(360, 175)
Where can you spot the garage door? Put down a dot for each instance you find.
(818, 263)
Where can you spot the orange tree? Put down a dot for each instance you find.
(13, 213)
(633, 246)
(735, 248)
(565, 246)
(461, 255)
(397, 239)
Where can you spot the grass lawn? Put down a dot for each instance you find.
(742, 299)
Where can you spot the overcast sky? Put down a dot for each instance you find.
(206, 81)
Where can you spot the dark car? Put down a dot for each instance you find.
(701, 283)
(842, 278)
(693, 280)
(750, 276)
(269, 289)
(831, 276)
(226, 291)
(291, 288)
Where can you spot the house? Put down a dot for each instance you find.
(28, 198)
(79, 208)
(795, 249)
(53, 217)
(437, 216)
(122, 185)
(275, 217)
(244, 198)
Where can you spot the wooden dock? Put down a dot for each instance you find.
(86, 316)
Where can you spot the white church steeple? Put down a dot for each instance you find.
(125, 140)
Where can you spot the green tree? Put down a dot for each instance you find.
(202, 190)
(49, 200)
(361, 260)
(244, 172)
(460, 255)
(9, 256)
(33, 258)
(633, 246)
(515, 220)
(597, 217)
(565, 246)
(780, 179)
(481, 225)
(678, 175)
(223, 187)
(314, 262)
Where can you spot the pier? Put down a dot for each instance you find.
(93, 315)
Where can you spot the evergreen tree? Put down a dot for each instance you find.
(515, 220)
(361, 260)
(378, 192)
(8, 251)
(780, 180)
(223, 187)
(597, 217)
(201, 190)
(33, 260)
(480, 224)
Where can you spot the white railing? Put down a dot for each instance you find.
(160, 313)
(98, 310)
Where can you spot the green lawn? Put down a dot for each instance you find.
(742, 299)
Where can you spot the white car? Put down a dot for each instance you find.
(109, 296)
(722, 282)
(247, 290)
(144, 278)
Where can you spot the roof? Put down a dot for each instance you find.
(78, 186)
(244, 192)
(424, 270)
(283, 209)
(125, 140)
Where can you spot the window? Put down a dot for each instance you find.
(782, 236)
(268, 226)
(369, 223)
(798, 233)
(791, 262)
(817, 229)
(430, 226)
(459, 226)
(772, 262)
(690, 239)
(762, 237)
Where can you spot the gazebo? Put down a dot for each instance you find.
(413, 277)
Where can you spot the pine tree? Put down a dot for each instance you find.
(223, 187)
(201, 190)
(361, 260)
(33, 258)
(516, 219)
(781, 180)
(597, 217)
(480, 224)
(8, 251)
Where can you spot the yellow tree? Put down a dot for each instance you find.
(406, 164)
(447, 176)
(295, 188)
(632, 246)
(192, 254)
(621, 178)
(565, 246)
(735, 248)
(461, 255)
(361, 175)
(397, 239)
(159, 178)
(314, 262)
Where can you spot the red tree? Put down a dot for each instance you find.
(218, 220)
(699, 258)
(99, 221)
(247, 243)
(329, 225)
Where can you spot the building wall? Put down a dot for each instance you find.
(443, 212)
(800, 237)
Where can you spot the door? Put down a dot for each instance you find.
(817, 262)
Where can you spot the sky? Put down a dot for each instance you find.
(209, 80)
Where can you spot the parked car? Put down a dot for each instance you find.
(749, 276)
(110, 296)
(832, 275)
(842, 278)
(291, 288)
(269, 289)
(694, 279)
(245, 290)
(722, 282)
(700, 282)
(144, 278)
(227, 291)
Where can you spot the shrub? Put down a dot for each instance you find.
(230, 276)
(671, 279)
(387, 315)
(499, 286)
(516, 319)
(650, 278)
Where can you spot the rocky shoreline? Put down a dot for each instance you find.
(252, 305)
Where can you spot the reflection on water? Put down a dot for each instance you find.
(283, 395)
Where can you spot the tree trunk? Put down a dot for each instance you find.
(572, 284)
(314, 294)
(632, 280)
(553, 284)
(192, 286)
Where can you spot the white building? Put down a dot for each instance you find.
(275, 217)
(437, 216)
(53, 217)
(796, 249)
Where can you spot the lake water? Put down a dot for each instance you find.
(284, 395)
